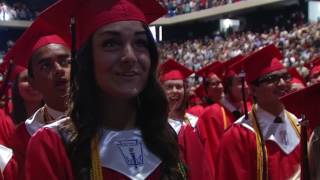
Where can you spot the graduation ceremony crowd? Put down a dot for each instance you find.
(89, 97)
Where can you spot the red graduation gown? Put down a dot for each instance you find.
(10, 168)
(237, 157)
(194, 155)
(211, 126)
(11, 171)
(6, 128)
(47, 159)
(196, 110)
(18, 142)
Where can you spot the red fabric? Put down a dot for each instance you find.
(194, 154)
(315, 70)
(93, 14)
(6, 128)
(296, 77)
(36, 36)
(171, 70)
(261, 62)
(231, 70)
(215, 68)
(237, 157)
(211, 126)
(196, 110)
(10, 172)
(306, 102)
(200, 91)
(18, 143)
(47, 159)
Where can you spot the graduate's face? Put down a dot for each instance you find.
(174, 90)
(214, 87)
(275, 85)
(236, 89)
(27, 93)
(121, 59)
(51, 72)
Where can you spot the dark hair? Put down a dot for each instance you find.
(19, 113)
(30, 70)
(227, 84)
(152, 115)
(206, 99)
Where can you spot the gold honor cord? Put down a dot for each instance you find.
(224, 117)
(96, 170)
(259, 142)
(261, 148)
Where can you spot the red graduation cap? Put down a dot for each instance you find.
(214, 68)
(296, 77)
(90, 15)
(39, 34)
(262, 62)
(312, 63)
(16, 70)
(305, 101)
(171, 70)
(315, 68)
(232, 67)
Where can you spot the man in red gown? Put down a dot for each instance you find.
(266, 143)
(47, 57)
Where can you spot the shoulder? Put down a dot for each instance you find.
(5, 156)
(49, 134)
(192, 119)
(240, 131)
(212, 110)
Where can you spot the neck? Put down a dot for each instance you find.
(274, 108)
(119, 114)
(57, 104)
(176, 115)
(237, 104)
(31, 107)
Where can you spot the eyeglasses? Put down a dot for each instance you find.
(274, 78)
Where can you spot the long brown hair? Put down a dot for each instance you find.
(151, 118)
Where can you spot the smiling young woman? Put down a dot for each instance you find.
(117, 126)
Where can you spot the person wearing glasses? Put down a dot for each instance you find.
(265, 144)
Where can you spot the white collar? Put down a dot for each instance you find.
(5, 156)
(125, 152)
(34, 122)
(54, 113)
(193, 120)
(175, 124)
(283, 134)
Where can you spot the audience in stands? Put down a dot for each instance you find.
(15, 11)
(176, 7)
(299, 46)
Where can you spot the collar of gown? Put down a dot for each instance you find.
(283, 134)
